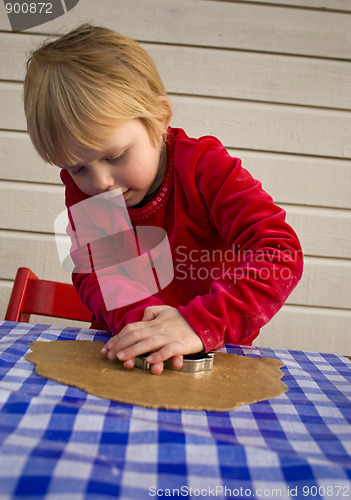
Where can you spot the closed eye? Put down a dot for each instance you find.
(78, 170)
(115, 159)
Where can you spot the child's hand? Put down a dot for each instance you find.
(163, 332)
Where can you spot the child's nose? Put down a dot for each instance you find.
(103, 180)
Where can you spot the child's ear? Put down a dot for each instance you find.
(166, 111)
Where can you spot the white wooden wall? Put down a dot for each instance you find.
(272, 80)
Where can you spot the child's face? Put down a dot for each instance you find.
(127, 160)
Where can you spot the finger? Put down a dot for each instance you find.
(165, 352)
(111, 355)
(108, 351)
(104, 351)
(156, 368)
(177, 362)
(129, 364)
(148, 344)
(129, 335)
(152, 312)
(110, 343)
(148, 315)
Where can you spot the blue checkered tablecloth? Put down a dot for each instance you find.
(57, 442)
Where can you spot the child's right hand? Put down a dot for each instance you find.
(163, 332)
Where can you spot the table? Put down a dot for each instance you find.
(57, 442)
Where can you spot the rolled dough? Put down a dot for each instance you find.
(235, 380)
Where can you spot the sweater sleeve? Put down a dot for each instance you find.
(269, 256)
(93, 273)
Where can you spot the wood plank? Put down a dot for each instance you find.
(244, 125)
(36, 251)
(300, 328)
(294, 327)
(290, 179)
(12, 115)
(301, 180)
(222, 73)
(343, 5)
(266, 127)
(5, 292)
(254, 76)
(322, 232)
(308, 329)
(325, 282)
(32, 207)
(247, 26)
(44, 320)
(14, 52)
(20, 162)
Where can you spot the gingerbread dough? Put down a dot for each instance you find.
(235, 380)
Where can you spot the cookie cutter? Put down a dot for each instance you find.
(192, 363)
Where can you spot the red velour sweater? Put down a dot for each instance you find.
(235, 258)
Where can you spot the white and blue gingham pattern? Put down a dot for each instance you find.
(57, 442)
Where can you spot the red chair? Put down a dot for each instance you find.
(31, 295)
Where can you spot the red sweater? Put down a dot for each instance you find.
(235, 258)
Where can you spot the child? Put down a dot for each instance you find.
(97, 108)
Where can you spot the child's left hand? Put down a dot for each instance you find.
(163, 332)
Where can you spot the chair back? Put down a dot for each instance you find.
(31, 295)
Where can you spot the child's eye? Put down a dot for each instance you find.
(78, 170)
(114, 159)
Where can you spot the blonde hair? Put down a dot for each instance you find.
(82, 86)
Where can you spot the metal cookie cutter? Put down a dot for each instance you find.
(192, 363)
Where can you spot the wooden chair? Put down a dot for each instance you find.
(31, 295)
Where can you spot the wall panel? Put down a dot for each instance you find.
(272, 80)
(232, 25)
